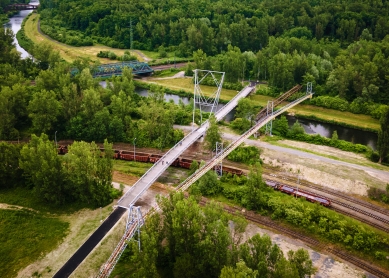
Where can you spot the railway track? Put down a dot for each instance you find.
(308, 240)
(375, 225)
(342, 196)
(348, 206)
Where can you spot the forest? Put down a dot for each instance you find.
(341, 47)
(188, 240)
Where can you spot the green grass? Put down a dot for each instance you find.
(67, 52)
(22, 196)
(187, 85)
(166, 73)
(131, 167)
(25, 236)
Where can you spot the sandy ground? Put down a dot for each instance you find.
(338, 177)
(326, 265)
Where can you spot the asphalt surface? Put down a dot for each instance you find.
(90, 244)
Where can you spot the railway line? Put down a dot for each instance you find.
(342, 207)
(342, 196)
(352, 211)
(251, 216)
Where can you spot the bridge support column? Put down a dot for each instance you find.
(135, 216)
(309, 88)
(219, 166)
(269, 111)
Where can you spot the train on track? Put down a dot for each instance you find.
(153, 158)
(298, 193)
(185, 163)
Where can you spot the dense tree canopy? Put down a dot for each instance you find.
(79, 107)
(186, 240)
(83, 175)
(212, 25)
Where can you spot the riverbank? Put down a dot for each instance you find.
(346, 119)
(67, 52)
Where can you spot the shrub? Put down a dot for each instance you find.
(336, 103)
(248, 155)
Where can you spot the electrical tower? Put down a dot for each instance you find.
(200, 100)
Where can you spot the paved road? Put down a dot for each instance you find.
(160, 166)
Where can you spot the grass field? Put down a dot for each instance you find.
(67, 52)
(26, 235)
(187, 85)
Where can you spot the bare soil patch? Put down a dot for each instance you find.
(325, 264)
(336, 177)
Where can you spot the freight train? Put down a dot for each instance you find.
(186, 163)
(153, 158)
(298, 193)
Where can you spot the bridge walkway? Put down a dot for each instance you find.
(163, 163)
(263, 121)
(144, 183)
(107, 268)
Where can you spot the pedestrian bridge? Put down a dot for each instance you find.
(142, 185)
(107, 268)
(137, 190)
(159, 167)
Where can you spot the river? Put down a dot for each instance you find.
(310, 126)
(15, 23)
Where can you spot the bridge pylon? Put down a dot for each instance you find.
(219, 166)
(269, 111)
(135, 217)
(202, 101)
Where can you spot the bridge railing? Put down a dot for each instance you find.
(195, 176)
(203, 126)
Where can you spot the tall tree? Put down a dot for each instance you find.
(43, 110)
(213, 134)
(42, 168)
(383, 136)
(10, 172)
(90, 175)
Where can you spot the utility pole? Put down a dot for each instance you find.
(134, 148)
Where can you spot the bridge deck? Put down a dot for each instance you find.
(159, 167)
(147, 180)
(108, 267)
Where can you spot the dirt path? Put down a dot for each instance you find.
(13, 207)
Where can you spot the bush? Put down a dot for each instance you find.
(240, 124)
(336, 103)
(248, 155)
